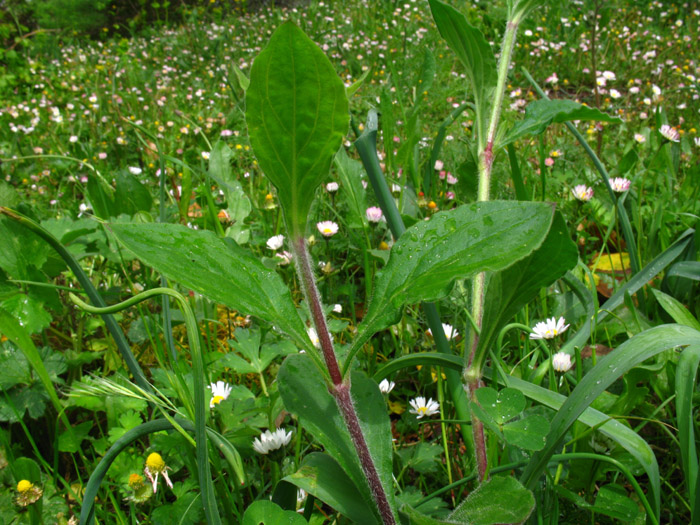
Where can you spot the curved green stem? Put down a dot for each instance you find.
(208, 500)
(111, 323)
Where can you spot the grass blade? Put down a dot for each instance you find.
(625, 357)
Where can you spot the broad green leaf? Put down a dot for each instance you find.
(321, 476)
(28, 311)
(502, 499)
(21, 249)
(634, 351)
(473, 51)
(455, 244)
(541, 113)
(501, 406)
(305, 394)
(267, 513)
(685, 390)
(676, 310)
(11, 329)
(512, 289)
(70, 442)
(424, 458)
(218, 269)
(297, 115)
(529, 433)
(25, 468)
(614, 501)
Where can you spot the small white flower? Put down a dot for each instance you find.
(332, 187)
(205, 155)
(609, 75)
(338, 308)
(583, 192)
(269, 441)
(450, 332)
(327, 228)
(135, 170)
(313, 335)
(620, 184)
(421, 407)
(640, 138)
(697, 141)
(670, 133)
(386, 386)
(374, 214)
(219, 392)
(73, 139)
(275, 242)
(285, 257)
(561, 362)
(438, 165)
(614, 93)
(549, 329)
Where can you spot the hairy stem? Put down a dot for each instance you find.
(341, 388)
(474, 363)
(313, 298)
(347, 409)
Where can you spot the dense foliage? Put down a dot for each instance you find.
(119, 116)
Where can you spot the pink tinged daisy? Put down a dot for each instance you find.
(271, 441)
(640, 138)
(275, 242)
(155, 466)
(374, 214)
(670, 133)
(438, 165)
(451, 179)
(561, 362)
(614, 93)
(583, 192)
(284, 257)
(420, 407)
(549, 329)
(386, 386)
(327, 228)
(620, 184)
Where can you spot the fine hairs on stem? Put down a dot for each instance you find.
(341, 387)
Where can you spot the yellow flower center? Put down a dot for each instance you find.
(217, 399)
(422, 410)
(24, 486)
(135, 481)
(327, 230)
(155, 462)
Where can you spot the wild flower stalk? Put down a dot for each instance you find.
(340, 388)
(474, 363)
